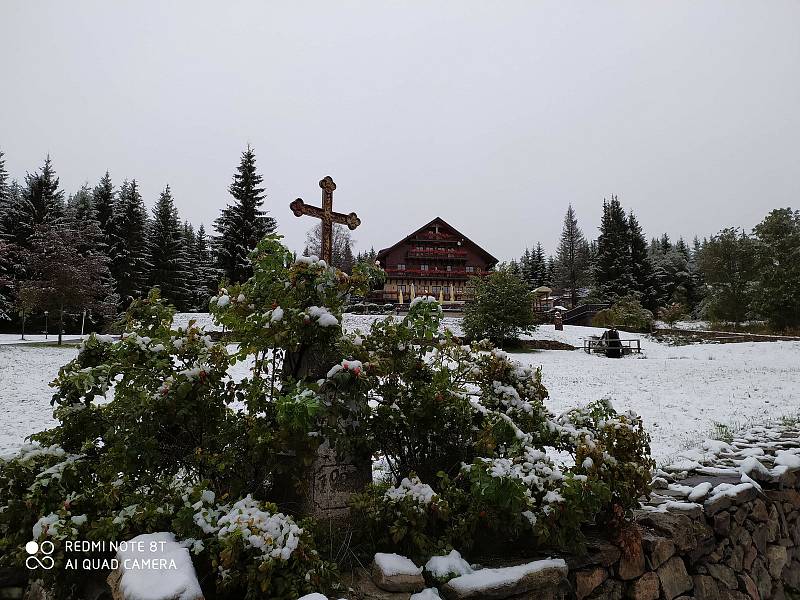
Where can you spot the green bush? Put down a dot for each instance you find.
(627, 313)
(501, 309)
(673, 313)
(183, 447)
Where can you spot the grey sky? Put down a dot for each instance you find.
(493, 115)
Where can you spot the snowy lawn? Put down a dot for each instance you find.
(680, 391)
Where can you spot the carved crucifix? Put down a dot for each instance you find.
(326, 215)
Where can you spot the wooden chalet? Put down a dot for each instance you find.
(435, 260)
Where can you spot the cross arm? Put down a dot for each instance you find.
(300, 208)
(352, 221)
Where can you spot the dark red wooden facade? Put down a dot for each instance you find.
(436, 260)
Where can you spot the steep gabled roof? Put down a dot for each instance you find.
(438, 220)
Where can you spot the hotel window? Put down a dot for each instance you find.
(423, 267)
(449, 267)
(402, 267)
(436, 289)
(470, 269)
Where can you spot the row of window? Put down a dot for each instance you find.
(468, 268)
(434, 290)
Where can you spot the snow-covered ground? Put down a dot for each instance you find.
(680, 391)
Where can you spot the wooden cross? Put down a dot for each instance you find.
(326, 215)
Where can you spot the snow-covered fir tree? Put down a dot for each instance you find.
(167, 255)
(103, 197)
(129, 264)
(242, 223)
(41, 203)
(7, 277)
(641, 267)
(205, 276)
(572, 257)
(613, 276)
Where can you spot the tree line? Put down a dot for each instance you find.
(99, 248)
(731, 276)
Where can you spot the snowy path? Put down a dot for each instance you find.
(680, 391)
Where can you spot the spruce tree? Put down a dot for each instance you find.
(103, 198)
(613, 274)
(167, 252)
(7, 277)
(540, 266)
(4, 182)
(129, 264)
(641, 267)
(41, 203)
(243, 223)
(572, 257)
(207, 276)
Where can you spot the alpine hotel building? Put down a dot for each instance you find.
(436, 260)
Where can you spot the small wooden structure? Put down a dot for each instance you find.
(597, 345)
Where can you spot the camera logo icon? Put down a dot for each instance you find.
(33, 549)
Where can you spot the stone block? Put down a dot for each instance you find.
(705, 588)
(657, 549)
(588, 581)
(647, 587)
(750, 555)
(723, 574)
(776, 560)
(610, 590)
(674, 578)
(762, 578)
(759, 512)
(735, 558)
(395, 573)
(631, 567)
(748, 585)
(760, 539)
(531, 580)
(722, 523)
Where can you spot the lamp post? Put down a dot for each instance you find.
(46, 328)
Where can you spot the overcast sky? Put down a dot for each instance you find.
(492, 115)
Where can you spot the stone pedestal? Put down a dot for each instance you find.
(332, 482)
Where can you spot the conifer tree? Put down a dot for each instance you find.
(206, 275)
(41, 203)
(612, 269)
(572, 257)
(129, 264)
(167, 252)
(4, 182)
(641, 267)
(7, 276)
(243, 223)
(103, 199)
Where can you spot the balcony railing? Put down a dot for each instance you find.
(434, 274)
(437, 253)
